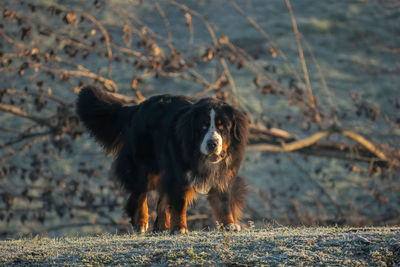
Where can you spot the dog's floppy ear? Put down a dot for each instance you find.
(240, 125)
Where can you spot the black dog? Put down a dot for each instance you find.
(176, 146)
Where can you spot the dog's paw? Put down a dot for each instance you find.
(181, 230)
(233, 227)
(142, 228)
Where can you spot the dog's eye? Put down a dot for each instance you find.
(220, 125)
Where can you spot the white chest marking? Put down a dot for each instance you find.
(211, 134)
(201, 188)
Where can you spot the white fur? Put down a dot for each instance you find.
(211, 134)
(201, 188)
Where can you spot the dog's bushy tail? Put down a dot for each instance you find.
(104, 116)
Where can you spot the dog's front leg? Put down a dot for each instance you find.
(220, 203)
(178, 212)
(179, 202)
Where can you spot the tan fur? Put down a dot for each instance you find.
(224, 146)
(221, 212)
(142, 214)
(227, 205)
(190, 196)
(238, 200)
(179, 220)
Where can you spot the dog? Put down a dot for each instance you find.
(176, 146)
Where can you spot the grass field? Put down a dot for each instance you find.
(268, 246)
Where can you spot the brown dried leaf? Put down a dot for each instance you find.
(224, 39)
(232, 59)
(71, 18)
(208, 55)
(273, 52)
(34, 51)
(188, 18)
(256, 81)
(156, 49)
(126, 28)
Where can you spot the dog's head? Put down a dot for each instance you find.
(212, 130)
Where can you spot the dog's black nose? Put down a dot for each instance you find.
(211, 145)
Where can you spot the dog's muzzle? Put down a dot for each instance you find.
(216, 158)
(212, 145)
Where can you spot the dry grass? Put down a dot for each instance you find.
(270, 246)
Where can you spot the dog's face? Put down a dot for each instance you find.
(210, 130)
(214, 134)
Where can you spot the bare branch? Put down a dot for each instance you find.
(216, 44)
(19, 112)
(311, 99)
(268, 38)
(25, 147)
(21, 92)
(109, 84)
(102, 29)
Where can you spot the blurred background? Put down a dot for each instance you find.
(318, 80)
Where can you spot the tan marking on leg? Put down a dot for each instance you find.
(179, 221)
(142, 214)
(221, 210)
(227, 218)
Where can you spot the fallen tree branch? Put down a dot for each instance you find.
(295, 145)
(276, 140)
(367, 144)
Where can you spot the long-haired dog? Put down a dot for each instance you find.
(174, 145)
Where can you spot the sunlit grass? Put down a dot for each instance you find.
(271, 246)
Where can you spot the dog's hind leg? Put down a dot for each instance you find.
(162, 221)
(134, 178)
(137, 210)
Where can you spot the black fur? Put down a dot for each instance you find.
(157, 146)
(104, 116)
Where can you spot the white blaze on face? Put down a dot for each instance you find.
(211, 134)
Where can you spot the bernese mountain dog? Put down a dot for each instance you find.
(176, 146)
